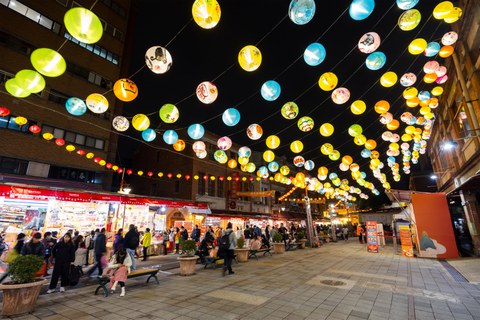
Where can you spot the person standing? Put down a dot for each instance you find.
(166, 238)
(99, 249)
(146, 242)
(196, 233)
(227, 265)
(20, 242)
(131, 241)
(34, 246)
(89, 245)
(247, 235)
(118, 241)
(64, 254)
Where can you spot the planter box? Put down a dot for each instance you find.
(301, 243)
(20, 298)
(242, 254)
(279, 247)
(187, 265)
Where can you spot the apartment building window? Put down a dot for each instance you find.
(66, 173)
(95, 49)
(220, 188)
(32, 15)
(201, 183)
(9, 123)
(15, 44)
(57, 97)
(211, 187)
(70, 136)
(462, 122)
(13, 166)
(111, 30)
(118, 9)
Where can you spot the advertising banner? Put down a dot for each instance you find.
(372, 240)
(406, 240)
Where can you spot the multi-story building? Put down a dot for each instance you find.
(455, 142)
(91, 68)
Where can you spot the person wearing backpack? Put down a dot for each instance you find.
(226, 249)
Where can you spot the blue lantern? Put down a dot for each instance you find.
(76, 106)
(309, 165)
(231, 117)
(195, 131)
(263, 171)
(424, 95)
(432, 49)
(365, 153)
(301, 11)
(270, 90)
(363, 174)
(332, 176)
(361, 9)
(376, 60)
(170, 136)
(407, 4)
(149, 135)
(314, 54)
(273, 166)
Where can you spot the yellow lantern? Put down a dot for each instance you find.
(322, 171)
(278, 177)
(243, 160)
(393, 125)
(388, 79)
(83, 25)
(30, 81)
(382, 106)
(268, 156)
(15, 90)
(413, 102)
(232, 163)
(370, 144)
(347, 160)
(430, 77)
(335, 155)
(425, 110)
(284, 170)
(70, 148)
(296, 146)
(356, 175)
(326, 129)
(354, 167)
(360, 140)
(442, 10)
(48, 62)
(47, 136)
(206, 13)
(406, 137)
(21, 120)
(250, 58)
(410, 93)
(410, 130)
(446, 51)
(140, 122)
(393, 146)
(90, 155)
(125, 90)
(328, 81)
(453, 16)
(179, 145)
(429, 116)
(272, 142)
(358, 107)
(115, 168)
(417, 46)
(326, 149)
(437, 91)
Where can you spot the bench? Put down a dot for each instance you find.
(253, 253)
(104, 281)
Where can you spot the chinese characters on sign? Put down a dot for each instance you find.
(372, 240)
(406, 240)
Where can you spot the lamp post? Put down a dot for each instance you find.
(310, 232)
(124, 187)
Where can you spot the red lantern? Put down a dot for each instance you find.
(80, 152)
(149, 173)
(120, 170)
(169, 175)
(187, 177)
(97, 159)
(220, 178)
(251, 178)
(205, 177)
(237, 178)
(129, 171)
(109, 165)
(34, 129)
(4, 112)
(59, 142)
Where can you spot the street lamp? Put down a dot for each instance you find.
(124, 187)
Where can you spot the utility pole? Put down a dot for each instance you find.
(310, 232)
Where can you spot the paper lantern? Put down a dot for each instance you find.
(195, 131)
(424, 95)
(301, 11)
(442, 79)
(199, 146)
(358, 107)
(206, 13)
(59, 142)
(305, 124)
(82, 152)
(232, 163)
(249, 58)
(90, 155)
(243, 160)
(323, 171)
(244, 152)
(454, 15)
(140, 122)
(432, 49)
(361, 9)
(431, 66)
(47, 136)
(410, 93)
(388, 79)
(340, 95)
(446, 51)
(272, 142)
(290, 110)
(365, 153)
(30, 81)
(250, 168)
(20, 120)
(355, 130)
(262, 172)
(442, 10)
(158, 59)
(284, 170)
(309, 165)
(70, 148)
(97, 103)
(48, 62)
(149, 135)
(273, 166)
(254, 131)
(406, 4)
(326, 149)
(75, 106)
(207, 92)
(408, 79)
(314, 54)
(335, 155)
(179, 145)
(83, 25)
(375, 60)
(170, 136)
(393, 125)
(12, 87)
(437, 91)
(441, 71)
(298, 161)
(125, 90)
(268, 156)
(270, 90)
(296, 146)
(169, 113)
(382, 106)
(409, 20)
(347, 160)
(430, 78)
(370, 144)
(4, 112)
(328, 81)
(34, 129)
(417, 46)
(120, 123)
(369, 42)
(449, 38)
(224, 143)
(231, 117)
(326, 129)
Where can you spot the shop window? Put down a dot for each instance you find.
(13, 166)
(58, 133)
(90, 142)
(462, 122)
(220, 188)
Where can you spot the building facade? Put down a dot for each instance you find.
(91, 68)
(455, 142)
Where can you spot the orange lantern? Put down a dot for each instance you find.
(382, 106)
(347, 160)
(446, 51)
(393, 125)
(370, 144)
(125, 90)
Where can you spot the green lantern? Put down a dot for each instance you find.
(15, 90)
(83, 25)
(169, 113)
(355, 130)
(30, 81)
(48, 62)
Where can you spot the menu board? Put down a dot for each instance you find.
(372, 239)
(406, 240)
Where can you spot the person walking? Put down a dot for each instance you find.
(99, 249)
(64, 254)
(89, 245)
(146, 243)
(118, 242)
(166, 237)
(230, 253)
(131, 241)
(178, 237)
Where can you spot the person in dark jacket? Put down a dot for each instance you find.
(118, 241)
(20, 242)
(34, 246)
(64, 254)
(99, 250)
(131, 242)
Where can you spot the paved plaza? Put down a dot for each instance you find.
(337, 281)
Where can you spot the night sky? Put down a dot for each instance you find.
(211, 55)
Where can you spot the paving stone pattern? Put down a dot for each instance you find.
(337, 281)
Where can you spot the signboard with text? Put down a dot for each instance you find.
(372, 240)
(406, 240)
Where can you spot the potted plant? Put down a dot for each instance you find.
(240, 251)
(188, 259)
(21, 293)
(301, 239)
(278, 243)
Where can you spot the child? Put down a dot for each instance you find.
(120, 263)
